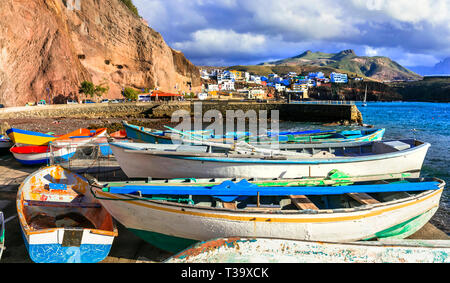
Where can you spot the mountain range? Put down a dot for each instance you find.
(378, 68)
(441, 68)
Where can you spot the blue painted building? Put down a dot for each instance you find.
(318, 75)
(338, 78)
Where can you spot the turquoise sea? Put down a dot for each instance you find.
(423, 121)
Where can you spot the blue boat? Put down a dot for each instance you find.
(148, 135)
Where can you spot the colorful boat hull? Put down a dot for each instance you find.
(54, 252)
(145, 135)
(36, 155)
(19, 136)
(138, 134)
(56, 193)
(60, 150)
(262, 250)
(174, 226)
(25, 137)
(146, 160)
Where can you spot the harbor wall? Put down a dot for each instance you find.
(286, 112)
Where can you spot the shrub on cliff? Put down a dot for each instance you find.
(131, 6)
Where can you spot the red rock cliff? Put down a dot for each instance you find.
(48, 47)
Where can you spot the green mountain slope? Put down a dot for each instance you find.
(378, 68)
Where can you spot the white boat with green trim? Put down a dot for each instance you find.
(263, 250)
(174, 214)
(139, 160)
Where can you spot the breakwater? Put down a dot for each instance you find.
(286, 112)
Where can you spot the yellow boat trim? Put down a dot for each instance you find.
(30, 139)
(276, 219)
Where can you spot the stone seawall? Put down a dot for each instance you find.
(287, 112)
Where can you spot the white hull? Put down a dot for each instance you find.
(342, 225)
(139, 165)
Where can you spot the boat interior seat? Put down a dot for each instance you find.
(391, 146)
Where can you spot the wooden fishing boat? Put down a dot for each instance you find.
(60, 221)
(19, 136)
(35, 155)
(122, 134)
(174, 214)
(83, 135)
(61, 149)
(2, 234)
(148, 135)
(24, 137)
(263, 250)
(5, 142)
(139, 160)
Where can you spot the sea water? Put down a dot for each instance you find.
(428, 122)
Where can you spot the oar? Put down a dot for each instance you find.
(311, 132)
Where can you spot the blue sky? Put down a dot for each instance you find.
(231, 32)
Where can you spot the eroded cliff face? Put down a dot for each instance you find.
(48, 47)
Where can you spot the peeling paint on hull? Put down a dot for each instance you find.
(260, 250)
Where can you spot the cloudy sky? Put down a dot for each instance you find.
(231, 32)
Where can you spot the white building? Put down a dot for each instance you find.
(256, 93)
(255, 79)
(212, 87)
(227, 85)
(226, 76)
(204, 74)
(338, 78)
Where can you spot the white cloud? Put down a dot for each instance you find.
(432, 11)
(370, 51)
(212, 41)
(407, 31)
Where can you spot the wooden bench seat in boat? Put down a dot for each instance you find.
(363, 198)
(303, 203)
